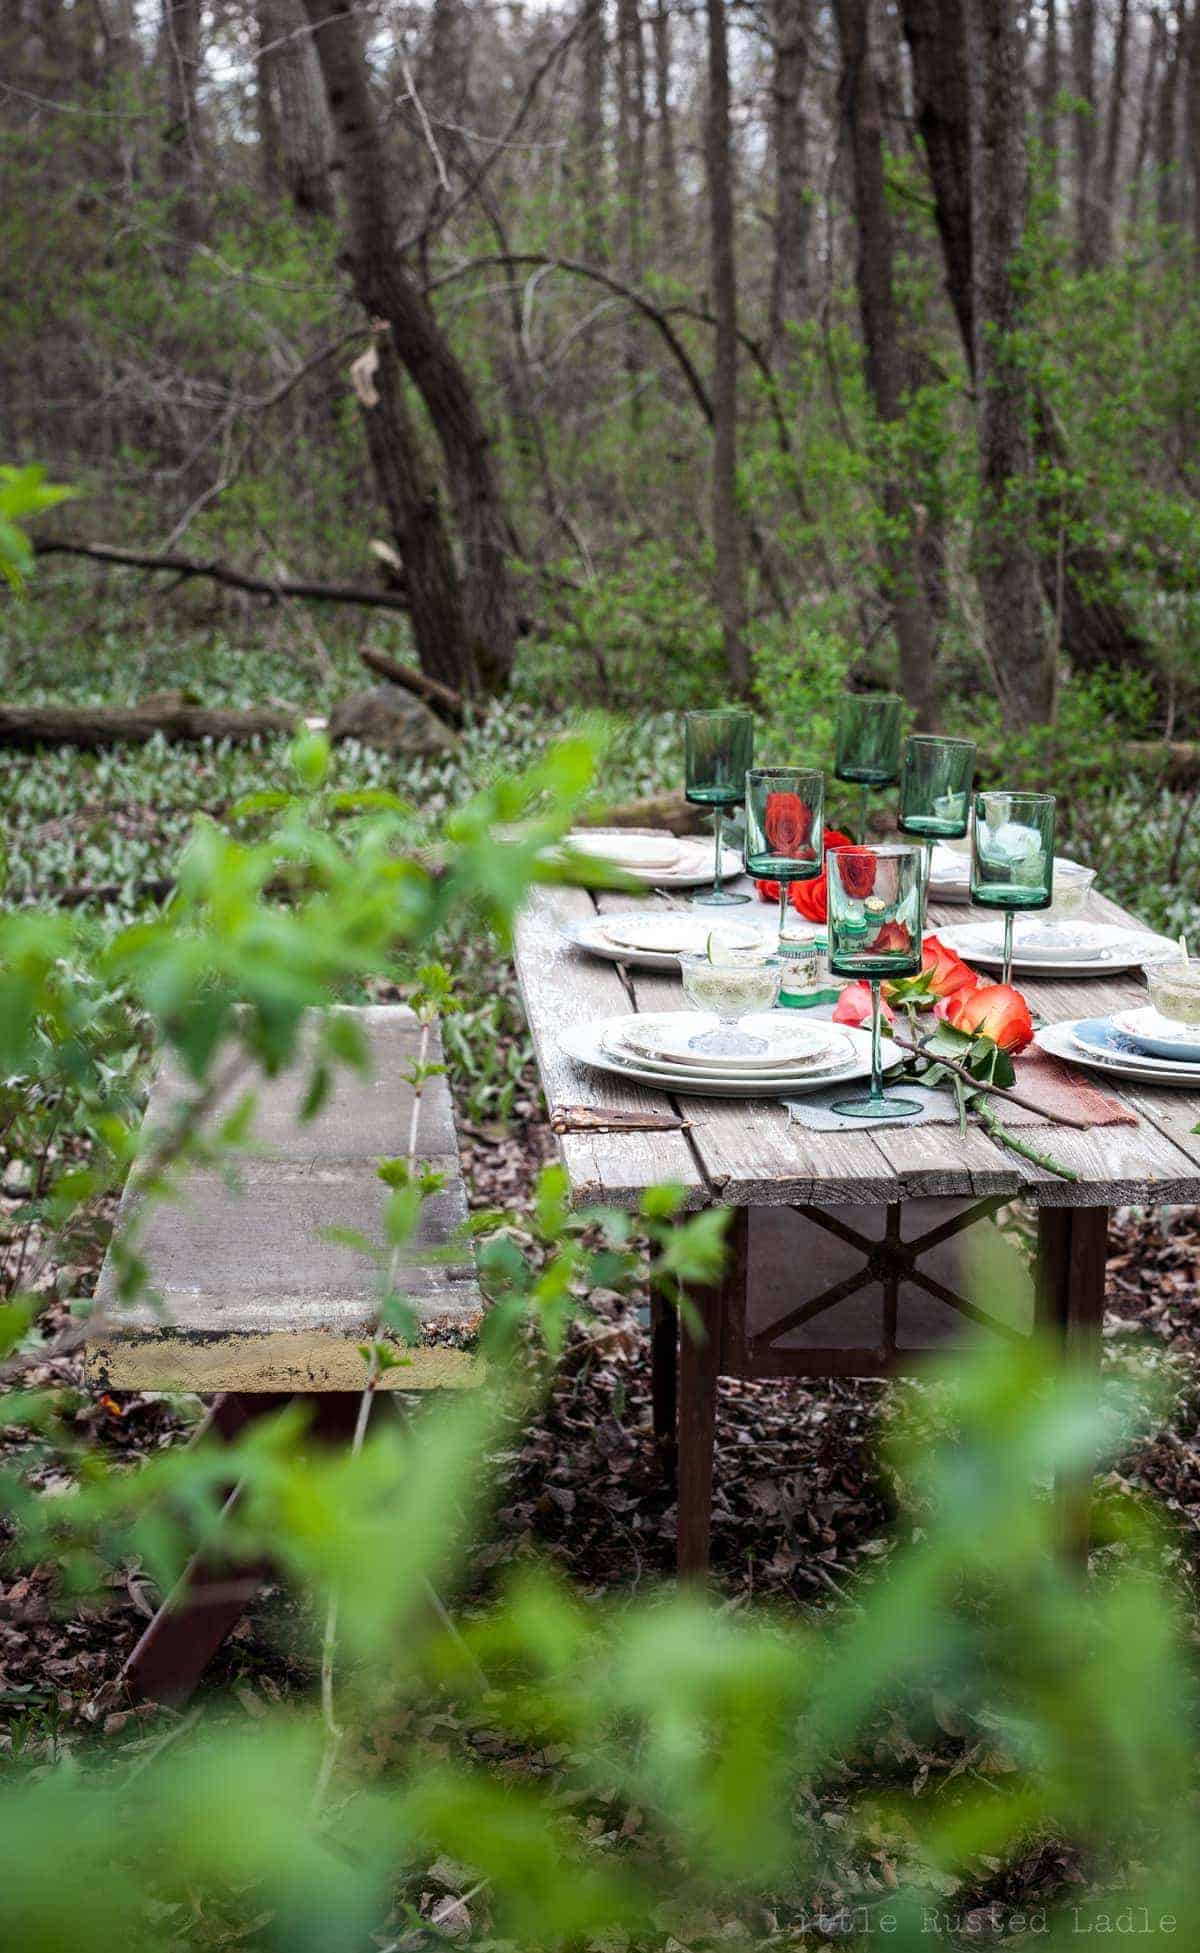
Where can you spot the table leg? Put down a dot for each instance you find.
(699, 1368)
(1072, 1249)
(664, 1361)
(210, 1597)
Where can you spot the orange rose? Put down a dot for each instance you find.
(994, 1010)
(942, 974)
(943, 970)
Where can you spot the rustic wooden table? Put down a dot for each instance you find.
(812, 1289)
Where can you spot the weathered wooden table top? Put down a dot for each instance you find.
(745, 1152)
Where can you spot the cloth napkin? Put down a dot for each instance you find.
(1053, 1087)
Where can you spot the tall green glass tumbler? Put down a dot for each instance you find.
(1012, 857)
(868, 742)
(874, 932)
(718, 750)
(935, 792)
(785, 820)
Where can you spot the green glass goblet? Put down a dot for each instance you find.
(935, 792)
(868, 742)
(1012, 857)
(785, 816)
(718, 752)
(874, 932)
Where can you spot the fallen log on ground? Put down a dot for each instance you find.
(653, 810)
(446, 703)
(170, 713)
(185, 567)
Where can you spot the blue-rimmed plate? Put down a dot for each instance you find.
(1148, 1030)
(1100, 1036)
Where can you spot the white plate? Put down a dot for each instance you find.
(667, 932)
(1059, 1041)
(950, 872)
(826, 1070)
(1158, 1036)
(582, 1044)
(1114, 948)
(591, 935)
(666, 1040)
(637, 851)
(685, 861)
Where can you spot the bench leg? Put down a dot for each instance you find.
(664, 1362)
(1072, 1249)
(209, 1599)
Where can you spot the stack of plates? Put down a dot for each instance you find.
(660, 860)
(657, 1051)
(654, 939)
(950, 871)
(1063, 949)
(1138, 1045)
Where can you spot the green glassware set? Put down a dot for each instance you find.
(877, 895)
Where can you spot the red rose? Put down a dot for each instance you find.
(994, 1010)
(808, 898)
(788, 823)
(856, 867)
(893, 935)
(854, 1005)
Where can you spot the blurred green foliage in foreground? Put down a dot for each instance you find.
(718, 1735)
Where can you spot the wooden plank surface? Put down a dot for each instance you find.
(246, 1290)
(562, 987)
(745, 1151)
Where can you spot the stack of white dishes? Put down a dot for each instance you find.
(657, 1050)
(654, 939)
(659, 860)
(950, 871)
(1135, 1044)
(1042, 947)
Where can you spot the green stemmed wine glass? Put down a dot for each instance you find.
(935, 792)
(718, 753)
(1012, 857)
(874, 932)
(785, 816)
(868, 742)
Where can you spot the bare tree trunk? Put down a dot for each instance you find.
(1049, 91)
(296, 99)
(1094, 628)
(1192, 122)
(668, 167)
(631, 178)
(593, 161)
(1083, 64)
(1166, 143)
(431, 582)
(1112, 132)
(790, 28)
(1006, 560)
(181, 161)
(723, 278)
(903, 586)
(1158, 34)
(486, 626)
(935, 31)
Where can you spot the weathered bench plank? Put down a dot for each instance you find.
(247, 1293)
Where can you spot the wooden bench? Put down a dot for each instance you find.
(251, 1303)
